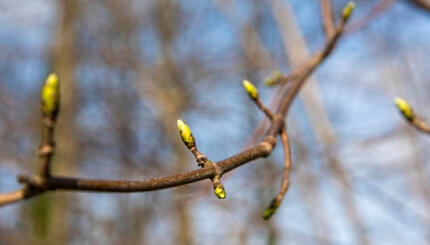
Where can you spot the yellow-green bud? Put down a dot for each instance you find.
(250, 89)
(404, 108)
(50, 96)
(186, 135)
(347, 10)
(273, 79)
(220, 191)
(271, 209)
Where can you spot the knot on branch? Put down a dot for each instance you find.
(35, 183)
(266, 148)
(45, 150)
(48, 122)
(271, 140)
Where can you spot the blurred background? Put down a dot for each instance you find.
(130, 69)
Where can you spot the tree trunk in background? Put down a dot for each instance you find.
(53, 215)
(171, 106)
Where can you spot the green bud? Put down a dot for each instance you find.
(50, 96)
(404, 108)
(220, 191)
(186, 135)
(273, 79)
(347, 10)
(271, 209)
(250, 89)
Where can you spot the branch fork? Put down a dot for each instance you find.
(202, 160)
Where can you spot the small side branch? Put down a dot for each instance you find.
(50, 106)
(299, 75)
(202, 160)
(276, 202)
(410, 116)
(253, 94)
(327, 17)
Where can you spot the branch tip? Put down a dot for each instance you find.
(186, 135)
(347, 10)
(50, 97)
(271, 209)
(220, 191)
(250, 89)
(404, 108)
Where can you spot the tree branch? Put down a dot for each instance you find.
(276, 202)
(327, 17)
(18, 195)
(12, 197)
(36, 185)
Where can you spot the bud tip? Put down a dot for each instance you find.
(220, 191)
(250, 89)
(404, 108)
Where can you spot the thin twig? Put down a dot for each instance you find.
(11, 197)
(302, 72)
(420, 124)
(285, 179)
(287, 165)
(263, 108)
(18, 195)
(327, 18)
(50, 107)
(409, 114)
(47, 147)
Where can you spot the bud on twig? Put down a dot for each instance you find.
(273, 79)
(404, 108)
(220, 191)
(347, 10)
(250, 89)
(218, 187)
(271, 209)
(186, 135)
(50, 97)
